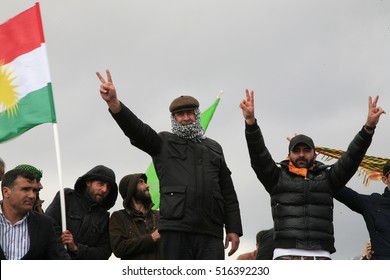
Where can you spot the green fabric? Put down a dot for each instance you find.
(37, 173)
(34, 109)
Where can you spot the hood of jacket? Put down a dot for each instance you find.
(128, 187)
(103, 174)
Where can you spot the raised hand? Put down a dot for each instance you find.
(248, 107)
(108, 92)
(374, 112)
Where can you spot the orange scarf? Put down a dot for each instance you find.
(299, 171)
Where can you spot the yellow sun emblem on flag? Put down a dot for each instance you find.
(8, 96)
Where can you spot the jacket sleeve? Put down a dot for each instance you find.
(124, 245)
(140, 134)
(54, 210)
(353, 200)
(232, 217)
(261, 160)
(343, 170)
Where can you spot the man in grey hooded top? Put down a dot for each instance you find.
(134, 230)
(87, 216)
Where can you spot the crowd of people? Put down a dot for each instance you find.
(199, 214)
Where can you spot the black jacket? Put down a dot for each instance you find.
(375, 209)
(196, 190)
(87, 220)
(43, 240)
(302, 208)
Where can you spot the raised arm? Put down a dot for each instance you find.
(108, 92)
(343, 170)
(247, 106)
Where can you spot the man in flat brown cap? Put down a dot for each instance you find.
(197, 195)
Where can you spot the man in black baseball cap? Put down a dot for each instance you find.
(301, 151)
(302, 188)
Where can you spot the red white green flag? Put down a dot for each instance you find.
(26, 98)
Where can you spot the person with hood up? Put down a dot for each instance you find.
(198, 201)
(134, 230)
(87, 216)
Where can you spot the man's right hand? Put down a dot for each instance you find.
(67, 239)
(248, 107)
(155, 235)
(108, 92)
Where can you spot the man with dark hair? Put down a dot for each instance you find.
(24, 234)
(302, 188)
(142, 242)
(197, 196)
(87, 216)
(38, 176)
(375, 209)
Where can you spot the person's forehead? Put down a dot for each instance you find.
(99, 182)
(24, 182)
(191, 111)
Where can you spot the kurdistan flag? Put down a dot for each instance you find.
(26, 98)
(153, 182)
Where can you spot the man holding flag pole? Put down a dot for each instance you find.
(197, 195)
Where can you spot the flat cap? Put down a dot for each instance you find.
(184, 102)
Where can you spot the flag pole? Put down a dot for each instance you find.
(220, 93)
(59, 167)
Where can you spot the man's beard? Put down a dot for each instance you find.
(307, 163)
(143, 197)
(193, 131)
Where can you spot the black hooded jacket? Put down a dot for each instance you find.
(87, 220)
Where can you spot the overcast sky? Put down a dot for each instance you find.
(311, 63)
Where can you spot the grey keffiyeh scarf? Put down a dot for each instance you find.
(192, 131)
